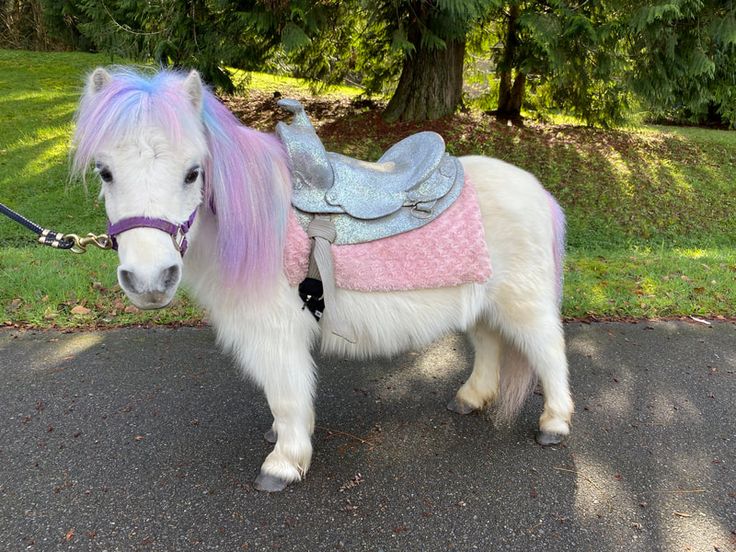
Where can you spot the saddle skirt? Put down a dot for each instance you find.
(448, 252)
(410, 185)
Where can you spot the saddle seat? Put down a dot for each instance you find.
(412, 183)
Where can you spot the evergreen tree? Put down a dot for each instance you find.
(372, 42)
(432, 36)
(571, 47)
(685, 52)
(62, 19)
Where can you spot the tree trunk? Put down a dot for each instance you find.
(430, 85)
(510, 96)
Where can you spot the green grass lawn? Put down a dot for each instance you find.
(651, 211)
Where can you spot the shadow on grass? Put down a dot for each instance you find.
(650, 283)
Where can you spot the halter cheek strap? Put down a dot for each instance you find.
(178, 232)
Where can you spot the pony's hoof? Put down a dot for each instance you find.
(460, 407)
(269, 483)
(270, 436)
(547, 439)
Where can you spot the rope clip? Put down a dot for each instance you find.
(102, 241)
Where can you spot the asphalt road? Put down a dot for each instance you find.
(149, 440)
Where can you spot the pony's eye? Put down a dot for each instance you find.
(104, 173)
(192, 175)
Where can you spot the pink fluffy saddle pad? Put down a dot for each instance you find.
(449, 251)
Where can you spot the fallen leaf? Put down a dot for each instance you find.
(700, 320)
(69, 534)
(79, 310)
(14, 305)
(130, 309)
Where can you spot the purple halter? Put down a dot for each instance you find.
(178, 232)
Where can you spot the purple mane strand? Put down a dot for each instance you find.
(249, 184)
(247, 180)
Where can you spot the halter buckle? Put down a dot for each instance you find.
(180, 240)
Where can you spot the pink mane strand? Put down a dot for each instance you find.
(249, 185)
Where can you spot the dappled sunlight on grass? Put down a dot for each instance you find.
(597, 297)
(679, 179)
(648, 286)
(62, 99)
(724, 137)
(625, 176)
(41, 287)
(692, 253)
(265, 81)
(50, 150)
(650, 283)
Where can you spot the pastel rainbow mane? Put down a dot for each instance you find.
(247, 181)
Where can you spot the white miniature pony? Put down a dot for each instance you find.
(154, 138)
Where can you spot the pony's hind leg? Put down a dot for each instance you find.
(543, 345)
(554, 423)
(481, 388)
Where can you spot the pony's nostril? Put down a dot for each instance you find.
(170, 277)
(128, 280)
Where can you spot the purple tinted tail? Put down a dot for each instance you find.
(558, 242)
(517, 375)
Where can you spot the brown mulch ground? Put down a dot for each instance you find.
(340, 120)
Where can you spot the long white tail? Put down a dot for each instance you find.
(516, 382)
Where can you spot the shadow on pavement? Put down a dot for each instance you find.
(149, 440)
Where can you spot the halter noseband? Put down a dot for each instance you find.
(178, 232)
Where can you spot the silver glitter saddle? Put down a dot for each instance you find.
(409, 186)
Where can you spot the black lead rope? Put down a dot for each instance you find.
(20, 219)
(57, 239)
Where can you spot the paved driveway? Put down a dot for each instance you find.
(149, 440)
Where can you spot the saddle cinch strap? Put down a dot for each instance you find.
(409, 186)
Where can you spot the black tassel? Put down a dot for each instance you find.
(311, 293)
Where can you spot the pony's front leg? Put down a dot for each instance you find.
(289, 389)
(291, 405)
(285, 371)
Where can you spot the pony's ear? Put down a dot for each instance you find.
(98, 80)
(194, 89)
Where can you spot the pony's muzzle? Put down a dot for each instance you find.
(150, 291)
